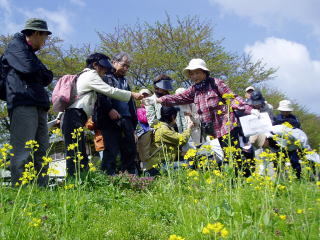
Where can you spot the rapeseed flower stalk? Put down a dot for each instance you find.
(92, 168)
(29, 174)
(33, 145)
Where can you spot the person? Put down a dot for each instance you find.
(286, 108)
(186, 114)
(207, 95)
(27, 100)
(142, 113)
(89, 83)
(167, 139)
(249, 91)
(285, 139)
(258, 102)
(162, 85)
(117, 120)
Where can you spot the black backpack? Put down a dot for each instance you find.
(4, 69)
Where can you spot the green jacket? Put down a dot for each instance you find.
(170, 141)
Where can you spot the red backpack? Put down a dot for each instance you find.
(65, 92)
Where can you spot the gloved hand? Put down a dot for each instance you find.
(255, 112)
(148, 101)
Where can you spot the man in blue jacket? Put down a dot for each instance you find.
(117, 121)
(27, 99)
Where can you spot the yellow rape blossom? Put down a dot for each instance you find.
(175, 237)
(190, 153)
(193, 173)
(224, 233)
(283, 217)
(35, 222)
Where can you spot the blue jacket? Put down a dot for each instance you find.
(27, 76)
(279, 119)
(104, 104)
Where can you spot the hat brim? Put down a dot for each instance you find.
(37, 29)
(285, 109)
(249, 88)
(164, 84)
(187, 69)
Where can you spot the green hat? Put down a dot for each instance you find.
(37, 25)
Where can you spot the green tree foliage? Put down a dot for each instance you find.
(167, 47)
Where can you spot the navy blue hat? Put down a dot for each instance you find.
(256, 98)
(164, 84)
(104, 62)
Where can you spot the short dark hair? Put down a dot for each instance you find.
(94, 58)
(168, 113)
(161, 77)
(29, 32)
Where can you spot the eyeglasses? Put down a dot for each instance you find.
(123, 64)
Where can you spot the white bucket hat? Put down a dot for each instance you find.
(285, 105)
(145, 91)
(250, 88)
(196, 63)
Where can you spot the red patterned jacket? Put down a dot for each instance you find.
(210, 106)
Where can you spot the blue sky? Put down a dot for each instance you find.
(284, 33)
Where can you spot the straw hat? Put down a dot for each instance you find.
(196, 63)
(285, 106)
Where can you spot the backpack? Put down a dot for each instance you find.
(65, 92)
(146, 147)
(4, 69)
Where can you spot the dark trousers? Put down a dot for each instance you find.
(294, 160)
(119, 138)
(74, 118)
(28, 123)
(245, 162)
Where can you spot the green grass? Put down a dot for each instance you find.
(117, 208)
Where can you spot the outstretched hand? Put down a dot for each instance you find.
(137, 96)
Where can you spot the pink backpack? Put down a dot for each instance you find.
(65, 92)
(142, 115)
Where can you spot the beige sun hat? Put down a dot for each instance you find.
(196, 63)
(257, 140)
(285, 106)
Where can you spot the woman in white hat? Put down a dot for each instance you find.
(206, 93)
(286, 108)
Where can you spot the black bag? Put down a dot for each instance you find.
(4, 69)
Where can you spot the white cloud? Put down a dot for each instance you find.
(58, 21)
(80, 3)
(274, 13)
(298, 75)
(8, 26)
